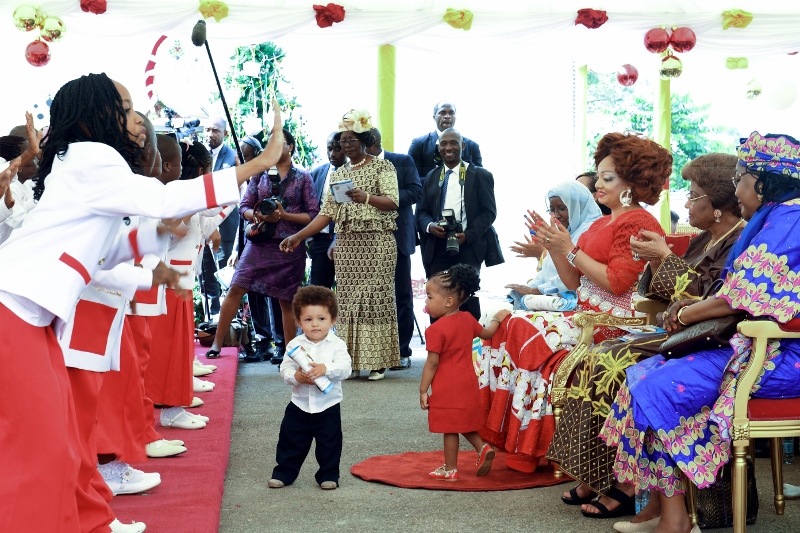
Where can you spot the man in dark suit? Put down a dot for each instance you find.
(317, 247)
(425, 150)
(410, 192)
(469, 191)
(222, 157)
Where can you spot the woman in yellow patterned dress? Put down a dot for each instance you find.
(365, 250)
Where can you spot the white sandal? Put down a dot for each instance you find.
(177, 417)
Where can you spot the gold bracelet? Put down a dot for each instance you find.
(367, 200)
(678, 316)
(495, 320)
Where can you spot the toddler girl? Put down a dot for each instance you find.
(454, 404)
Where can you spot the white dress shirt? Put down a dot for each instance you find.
(454, 199)
(331, 352)
(214, 154)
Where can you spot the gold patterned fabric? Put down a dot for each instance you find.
(576, 444)
(378, 178)
(365, 264)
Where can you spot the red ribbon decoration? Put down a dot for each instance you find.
(98, 7)
(328, 15)
(591, 18)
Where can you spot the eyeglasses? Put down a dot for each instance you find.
(347, 142)
(558, 210)
(693, 199)
(737, 178)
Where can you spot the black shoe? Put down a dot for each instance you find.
(405, 363)
(278, 357)
(252, 358)
(265, 351)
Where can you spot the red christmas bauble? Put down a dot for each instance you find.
(627, 75)
(682, 39)
(37, 53)
(656, 40)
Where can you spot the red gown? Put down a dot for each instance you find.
(454, 405)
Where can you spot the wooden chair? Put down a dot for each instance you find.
(758, 417)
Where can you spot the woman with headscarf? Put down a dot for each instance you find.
(672, 417)
(714, 209)
(365, 251)
(574, 207)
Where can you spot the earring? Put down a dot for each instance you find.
(760, 197)
(717, 215)
(626, 197)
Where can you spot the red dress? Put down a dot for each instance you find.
(454, 405)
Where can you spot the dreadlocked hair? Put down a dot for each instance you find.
(461, 280)
(194, 159)
(86, 109)
(11, 147)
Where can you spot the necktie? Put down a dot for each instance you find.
(444, 188)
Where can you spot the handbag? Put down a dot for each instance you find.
(705, 335)
(715, 503)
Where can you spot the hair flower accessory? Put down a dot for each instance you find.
(328, 15)
(356, 120)
(591, 18)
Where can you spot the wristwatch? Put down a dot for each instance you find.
(572, 254)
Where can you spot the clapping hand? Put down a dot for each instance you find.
(553, 236)
(527, 248)
(650, 246)
(163, 275)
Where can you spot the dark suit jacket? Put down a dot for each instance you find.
(229, 227)
(423, 150)
(410, 192)
(318, 175)
(480, 208)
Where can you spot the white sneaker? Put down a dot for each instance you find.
(177, 417)
(164, 448)
(122, 479)
(376, 375)
(134, 527)
(197, 362)
(202, 385)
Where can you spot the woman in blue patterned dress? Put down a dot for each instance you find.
(671, 418)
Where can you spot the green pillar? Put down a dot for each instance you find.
(387, 61)
(662, 134)
(581, 136)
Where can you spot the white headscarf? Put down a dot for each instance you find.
(583, 211)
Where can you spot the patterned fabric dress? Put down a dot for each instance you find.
(263, 267)
(576, 444)
(672, 418)
(364, 259)
(515, 371)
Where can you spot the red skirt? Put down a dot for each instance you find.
(38, 434)
(93, 511)
(121, 421)
(143, 340)
(168, 380)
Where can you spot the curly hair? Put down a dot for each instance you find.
(366, 138)
(712, 172)
(86, 109)
(461, 280)
(640, 162)
(315, 295)
(194, 159)
(776, 187)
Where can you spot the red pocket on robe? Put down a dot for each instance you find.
(149, 296)
(91, 327)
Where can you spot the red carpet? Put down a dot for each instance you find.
(189, 498)
(410, 471)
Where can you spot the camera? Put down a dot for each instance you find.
(267, 206)
(451, 227)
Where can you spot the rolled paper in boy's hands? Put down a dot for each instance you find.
(298, 355)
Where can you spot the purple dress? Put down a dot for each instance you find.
(263, 268)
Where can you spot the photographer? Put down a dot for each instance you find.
(465, 193)
(283, 201)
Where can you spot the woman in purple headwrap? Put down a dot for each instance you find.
(671, 418)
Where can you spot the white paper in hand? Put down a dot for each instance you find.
(224, 276)
(339, 191)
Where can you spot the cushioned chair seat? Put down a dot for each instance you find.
(761, 409)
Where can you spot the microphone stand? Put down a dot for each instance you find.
(225, 104)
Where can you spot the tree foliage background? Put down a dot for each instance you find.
(612, 107)
(256, 76)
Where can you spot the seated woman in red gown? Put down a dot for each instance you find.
(515, 371)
